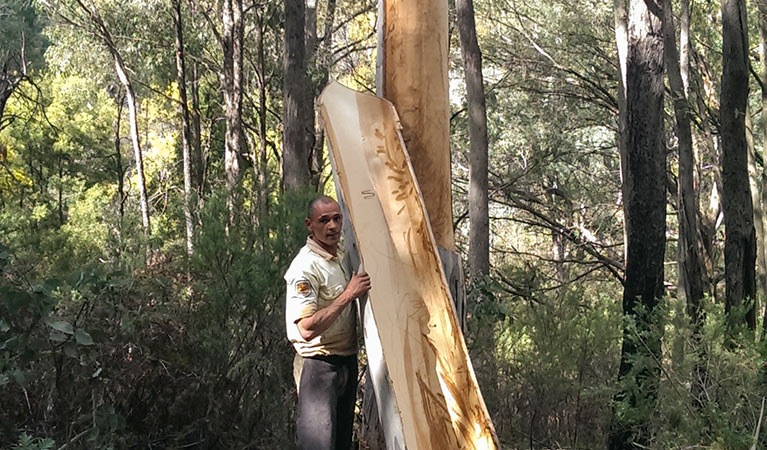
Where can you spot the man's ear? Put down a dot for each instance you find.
(308, 224)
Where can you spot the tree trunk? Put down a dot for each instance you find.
(763, 58)
(298, 114)
(232, 39)
(119, 168)
(134, 134)
(263, 169)
(199, 162)
(645, 215)
(186, 133)
(320, 56)
(690, 248)
(415, 80)
(479, 234)
(740, 241)
(103, 32)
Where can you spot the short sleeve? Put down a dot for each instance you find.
(302, 288)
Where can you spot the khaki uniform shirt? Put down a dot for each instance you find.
(316, 278)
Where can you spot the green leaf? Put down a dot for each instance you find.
(4, 326)
(59, 325)
(82, 337)
(58, 337)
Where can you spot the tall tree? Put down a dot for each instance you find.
(762, 11)
(93, 22)
(644, 206)
(232, 80)
(186, 129)
(690, 250)
(740, 241)
(298, 114)
(479, 235)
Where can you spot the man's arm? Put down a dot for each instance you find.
(316, 324)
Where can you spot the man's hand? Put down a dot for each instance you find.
(316, 324)
(358, 285)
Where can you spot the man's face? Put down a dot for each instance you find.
(324, 224)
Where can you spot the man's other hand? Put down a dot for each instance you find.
(358, 285)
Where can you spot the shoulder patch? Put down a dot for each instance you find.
(303, 287)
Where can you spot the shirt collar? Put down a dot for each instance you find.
(317, 248)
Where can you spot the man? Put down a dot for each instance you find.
(321, 324)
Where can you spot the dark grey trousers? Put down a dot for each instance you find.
(326, 398)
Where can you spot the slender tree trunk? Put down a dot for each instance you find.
(106, 37)
(690, 247)
(762, 8)
(754, 182)
(186, 133)
(645, 215)
(298, 113)
(232, 40)
(740, 242)
(263, 169)
(119, 166)
(199, 163)
(322, 59)
(134, 134)
(479, 234)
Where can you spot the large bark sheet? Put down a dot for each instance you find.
(436, 392)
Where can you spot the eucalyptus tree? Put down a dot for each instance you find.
(86, 16)
(298, 122)
(479, 245)
(690, 258)
(642, 145)
(740, 242)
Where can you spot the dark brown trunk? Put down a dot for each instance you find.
(740, 242)
(322, 58)
(644, 203)
(199, 162)
(298, 113)
(479, 234)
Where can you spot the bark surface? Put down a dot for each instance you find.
(479, 233)
(740, 241)
(644, 211)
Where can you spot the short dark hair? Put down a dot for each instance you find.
(317, 200)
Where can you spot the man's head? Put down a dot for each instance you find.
(324, 222)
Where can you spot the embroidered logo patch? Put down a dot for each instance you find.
(303, 287)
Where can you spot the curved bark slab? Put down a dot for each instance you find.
(434, 385)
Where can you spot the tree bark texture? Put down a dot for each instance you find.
(414, 79)
(645, 216)
(320, 56)
(232, 81)
(690, 259)
(479, 233)
(263, 169)
(298, 122)
(186, 133)
(740, 241)
(762, 11)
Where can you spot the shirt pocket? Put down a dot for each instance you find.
(330, 293)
